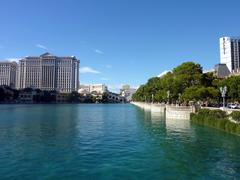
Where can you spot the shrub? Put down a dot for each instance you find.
(216, 114)
(217, 119)
(235, 115)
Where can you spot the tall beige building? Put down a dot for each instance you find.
(8, 74)
(49, 72)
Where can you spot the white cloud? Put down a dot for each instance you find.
(41, 46)
(109, 66)
(115, 87)
(163, 73)
(13, 59)
(135, 87)
(98, 51)
(84, 70)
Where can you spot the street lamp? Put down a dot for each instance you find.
(168, 95)
(179, 98)
(223, 91)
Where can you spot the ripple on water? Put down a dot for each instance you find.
(110, 142)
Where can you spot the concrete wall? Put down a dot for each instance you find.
(158, 108)
(172, 112)
(150, 107)
(179, 112)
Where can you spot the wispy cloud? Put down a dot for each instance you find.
(41, 46)
(13, 59)
(115, 87)
(84, 70)
(98, 51)
(135, 87)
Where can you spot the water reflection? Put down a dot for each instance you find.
(156, 116)
(197, 149)
(110, 142)
(177, 125)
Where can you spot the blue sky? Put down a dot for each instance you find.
(119, 41)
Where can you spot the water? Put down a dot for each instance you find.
(110, 142)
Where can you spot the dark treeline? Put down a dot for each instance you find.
(9, 95)
(186, 83)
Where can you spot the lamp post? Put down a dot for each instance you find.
(168, 95)
(179, 97)
(223, 91)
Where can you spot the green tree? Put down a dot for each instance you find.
(73, 97)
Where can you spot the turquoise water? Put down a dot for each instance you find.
(110, 142)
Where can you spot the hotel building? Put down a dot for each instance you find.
(8, 74)
(49, 72)
(97, 88)
(230, 53)
(127, 92)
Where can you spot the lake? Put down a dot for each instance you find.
(112, 141)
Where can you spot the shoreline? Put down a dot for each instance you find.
(170, 111)
(217, 119)
(54, 103)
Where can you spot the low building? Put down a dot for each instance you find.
(209, 71)
(83, 92)
(62, 97)
(93, 88)
(26, 96)
(221, 71)
(99, 88)
(84, 89)
(125, 87)
(127, 92)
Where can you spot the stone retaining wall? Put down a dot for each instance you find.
(179, 112)
(172, 112)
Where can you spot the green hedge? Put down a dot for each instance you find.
(235, 115)
(217, 119)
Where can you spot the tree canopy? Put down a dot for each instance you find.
(185, 83)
